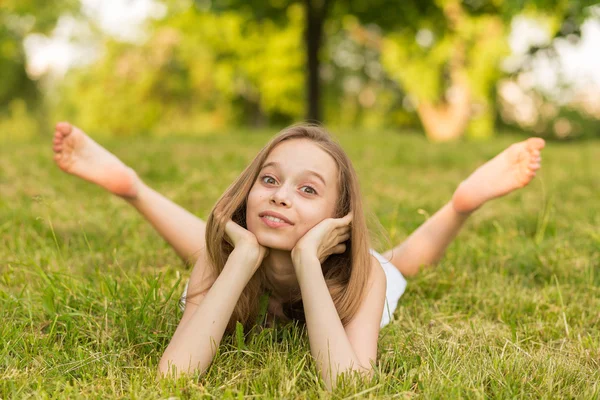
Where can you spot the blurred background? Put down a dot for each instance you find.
(445, 68)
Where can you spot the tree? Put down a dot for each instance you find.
(19, 18)
(196, 70)
(448, 105)
(461, 60)
(315, 13)
(21, 106)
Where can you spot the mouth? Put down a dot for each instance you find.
(274, 220)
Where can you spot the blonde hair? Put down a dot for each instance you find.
(346, 274)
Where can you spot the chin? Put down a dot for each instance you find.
(274, 242)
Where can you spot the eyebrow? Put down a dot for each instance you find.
(276, 164)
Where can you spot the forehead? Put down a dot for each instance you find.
(297, 155)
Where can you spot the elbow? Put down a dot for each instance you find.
(170, 368)
(363, 372)
(166, 368)
(354, 370)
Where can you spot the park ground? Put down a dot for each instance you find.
(88, 291)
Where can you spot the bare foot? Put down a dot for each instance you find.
(76, 153)
(512, 169)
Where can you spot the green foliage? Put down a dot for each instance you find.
(479, 29)
(19, 95)
(19, 18)
(418, 69)
(197, 71)
(18, 122)
(212, 64)
(27, 16)
(357, 92)
(14, 82)
(423, 70)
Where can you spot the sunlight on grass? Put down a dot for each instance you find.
(88, 291)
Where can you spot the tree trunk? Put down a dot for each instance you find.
(449, 119)
(316, 12)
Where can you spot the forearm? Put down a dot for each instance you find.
(181, 229)
(195, 342)
(329, 343)
(427, 244)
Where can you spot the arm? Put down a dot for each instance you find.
(336, 348)
(199, 333)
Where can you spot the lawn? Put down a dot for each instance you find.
(88, 291)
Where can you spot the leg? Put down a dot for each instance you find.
(512, 169)
(77, 154)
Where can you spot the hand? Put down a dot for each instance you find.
(324, 239)
(245, 241)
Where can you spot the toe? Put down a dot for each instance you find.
(529, 175)
(532, 175)
(57, 148)
(64, 127)
(535, 144)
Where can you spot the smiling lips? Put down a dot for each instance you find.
(274, 220)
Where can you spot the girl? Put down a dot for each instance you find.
(292, 225)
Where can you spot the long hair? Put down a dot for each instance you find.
(345, 274)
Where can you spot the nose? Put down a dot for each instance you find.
(281, 197)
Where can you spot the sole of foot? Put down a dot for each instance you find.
(510, 170)
(77, 154)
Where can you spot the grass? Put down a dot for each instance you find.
(88, 291)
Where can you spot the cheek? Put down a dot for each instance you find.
(311, 217)
(255, 199)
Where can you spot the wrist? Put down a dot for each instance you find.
(302, 258)
(247, 256)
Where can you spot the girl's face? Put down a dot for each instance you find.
(295, 190)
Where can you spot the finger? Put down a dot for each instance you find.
(339, 249)
(345, 220)
(229, 225)
(342, 230)
(344, 237)
(230, 228)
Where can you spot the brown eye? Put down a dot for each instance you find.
(310, 190)
(268, 179)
